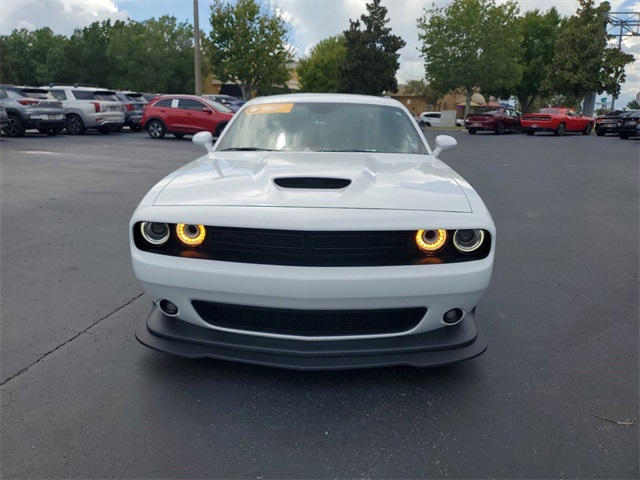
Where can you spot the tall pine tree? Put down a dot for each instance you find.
(371, 60)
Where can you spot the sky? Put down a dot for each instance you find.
(309, 22)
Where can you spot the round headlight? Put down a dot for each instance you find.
(190, 235)
(155, 233)
(467, 241)
(430, 241)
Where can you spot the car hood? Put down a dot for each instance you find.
(316, 180)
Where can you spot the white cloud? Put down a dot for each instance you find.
(62, 16)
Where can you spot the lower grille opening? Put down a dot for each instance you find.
(309, 323)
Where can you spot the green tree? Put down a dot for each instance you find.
(583, 62)
(155, 55)
(633, 105)
(248, 45)
(423, 90)
(31, 57)
(320, 70)
(471, 45)
(86, 54)
(371, 60)
(539, 32)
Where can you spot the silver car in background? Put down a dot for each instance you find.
(31, 108)
(89, 108)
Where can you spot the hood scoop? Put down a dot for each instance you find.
(315, 183)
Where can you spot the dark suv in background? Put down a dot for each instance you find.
(31, 108)
(133, 104)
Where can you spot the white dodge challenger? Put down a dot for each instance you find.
(318, 232)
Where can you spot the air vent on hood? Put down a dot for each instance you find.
(312, 182)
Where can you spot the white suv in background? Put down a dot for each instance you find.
(432, 119)
(89, 108)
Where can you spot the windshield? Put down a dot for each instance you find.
(323, 127)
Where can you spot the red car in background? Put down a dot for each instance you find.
(183, 115)
(556, 120)
(498, 120)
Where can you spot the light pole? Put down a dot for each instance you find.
(196, 49)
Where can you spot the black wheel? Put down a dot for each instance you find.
(178, 135)
(156, 129)
(600, 133)
(421, 124)
(472, 131)
(104, 130)
(623, 136)
(75, 125)
(134, 128)
(560, 130)
(531, 132)
(500, 128)
(587, 129)
(15, 127)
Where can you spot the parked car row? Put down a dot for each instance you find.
(78, 108)
(623, 123)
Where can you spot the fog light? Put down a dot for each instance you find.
(191, 235)
(453, 316)
(168, 308)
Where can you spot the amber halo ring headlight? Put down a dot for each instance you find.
(430, 241)
(154, 232)
(190, 235)
(468, 241)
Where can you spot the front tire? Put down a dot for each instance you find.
(587, 129)
(500, 128)
(156, 129)
(599, 133)
(15, 127)
(560, 130)
(623, 136)
(530, 132)
(75, 125)
(472, 131)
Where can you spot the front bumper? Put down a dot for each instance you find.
(430, 349)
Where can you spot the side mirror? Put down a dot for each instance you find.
(207, 111)
(205, 139)
(444, 143)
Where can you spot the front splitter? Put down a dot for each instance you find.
(430, 349)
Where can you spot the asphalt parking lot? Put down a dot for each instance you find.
(554, 396)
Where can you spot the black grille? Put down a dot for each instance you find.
(309, 323)
(311, 248)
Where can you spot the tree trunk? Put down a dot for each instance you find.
(467, 104)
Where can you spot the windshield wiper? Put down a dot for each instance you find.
(246, 149)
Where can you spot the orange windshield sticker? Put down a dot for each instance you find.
(270, 108)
